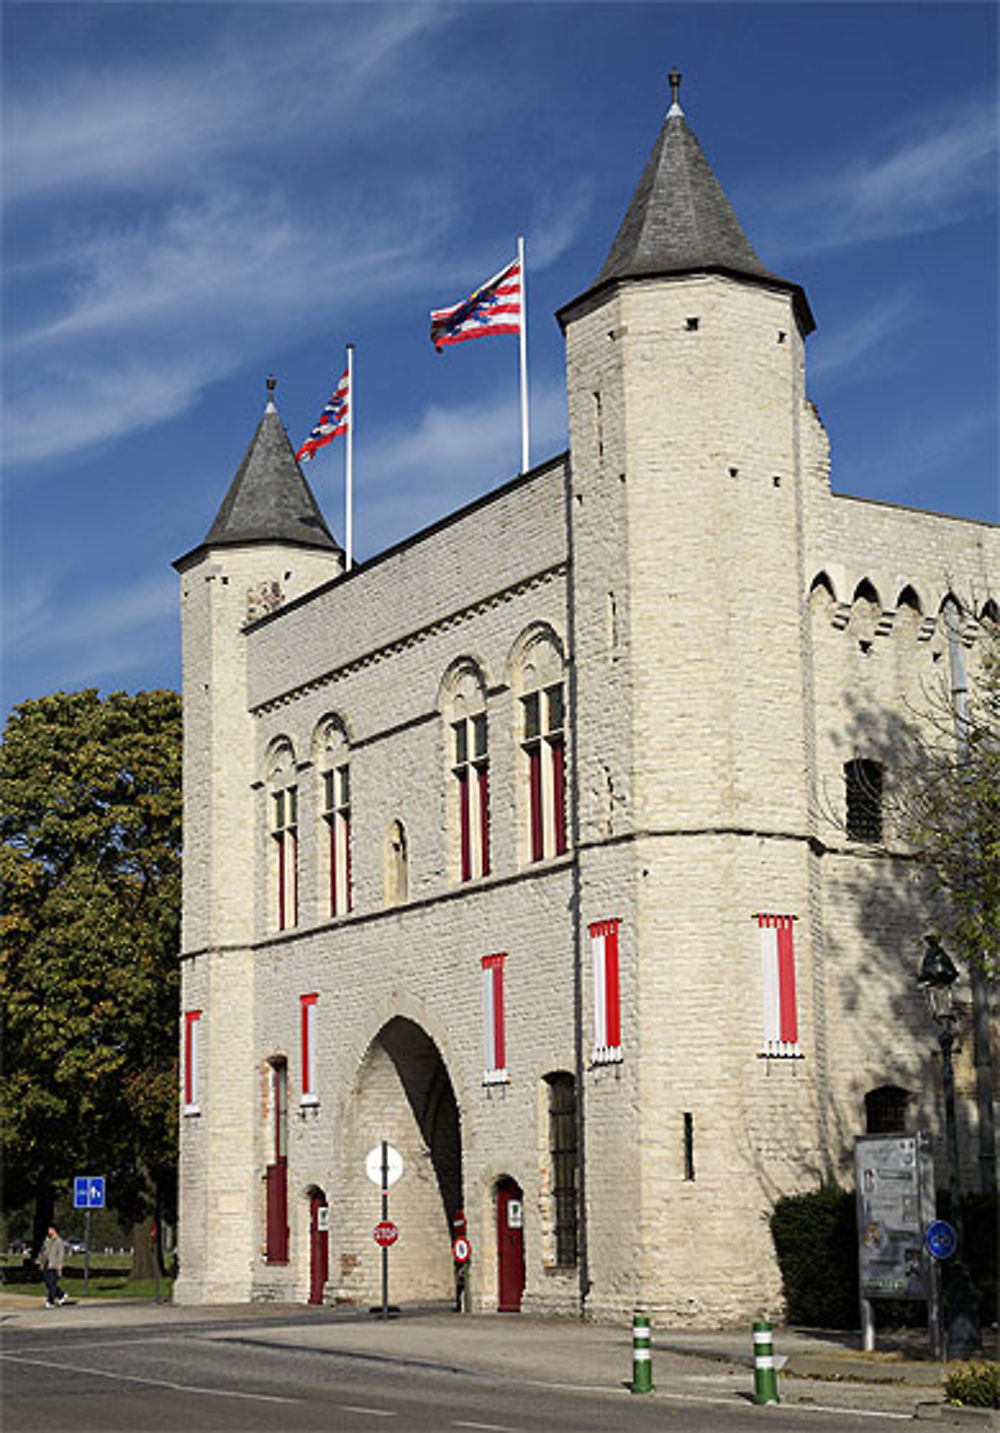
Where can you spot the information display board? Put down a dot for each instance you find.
(894, 1178)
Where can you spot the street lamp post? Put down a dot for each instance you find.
(938, 974)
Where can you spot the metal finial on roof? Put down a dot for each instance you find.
(272, 384)
(675, 78)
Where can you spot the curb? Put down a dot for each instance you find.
(955, 1415)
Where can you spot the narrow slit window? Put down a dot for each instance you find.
(863, 780)
(544, 746)
(471, 770)
(337, 815)
(285, 837)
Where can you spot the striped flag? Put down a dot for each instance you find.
(495, 307)
(607, 994)
(332, 422)
(777, 958)
(494, 1037)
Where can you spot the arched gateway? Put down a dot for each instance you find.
(404, 1095)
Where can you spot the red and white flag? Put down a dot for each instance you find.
(332, 422)
(777, 958)
(494, 308)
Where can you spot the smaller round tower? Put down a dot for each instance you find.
(268, 545)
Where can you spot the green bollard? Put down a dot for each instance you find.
(765, 1380)
(642, 1356)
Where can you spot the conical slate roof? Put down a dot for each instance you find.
(680, 221)
(269, 499)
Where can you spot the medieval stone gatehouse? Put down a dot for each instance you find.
(548, 844)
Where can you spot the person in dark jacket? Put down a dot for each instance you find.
(50, 1261)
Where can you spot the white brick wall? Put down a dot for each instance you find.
(712, 705)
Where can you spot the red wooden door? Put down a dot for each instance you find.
(319, 1246)
(510, 1246)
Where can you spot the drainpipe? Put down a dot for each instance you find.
(583, 1259)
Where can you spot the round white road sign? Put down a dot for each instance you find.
(373, 1165)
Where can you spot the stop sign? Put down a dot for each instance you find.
(385, 1233)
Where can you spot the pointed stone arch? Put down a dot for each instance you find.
(403, 1093)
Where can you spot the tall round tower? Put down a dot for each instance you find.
(268, 545)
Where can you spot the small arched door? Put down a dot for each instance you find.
(510, 1246)
(319, 1245)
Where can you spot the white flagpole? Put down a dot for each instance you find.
(525, 462)
(349, 465)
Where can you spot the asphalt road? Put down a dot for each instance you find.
(199, 1378)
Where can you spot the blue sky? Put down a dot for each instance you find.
(197, 194)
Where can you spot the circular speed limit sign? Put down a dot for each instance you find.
(461, 1248)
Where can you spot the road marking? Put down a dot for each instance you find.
(372, 1412)
(855, 1412)
(154, 1382)
(488, 1427)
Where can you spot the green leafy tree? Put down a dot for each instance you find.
(946, 800)
(90, 862)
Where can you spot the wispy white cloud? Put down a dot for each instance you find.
(108, 634)
(102, 128)
(941, 173)
(840, 349)
(37, 617)
(150, 299)
(412, 478)
(919, 446)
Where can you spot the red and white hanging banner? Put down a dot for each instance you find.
(777, 959)
(494, 1037)
(607, 993)
(307, 1004)
(191, 1019)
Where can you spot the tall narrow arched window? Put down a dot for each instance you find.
(283, 798)
(397, 865)
(542, 739)
(468, 737)
(563, 1154)
(333, 765)
(276, 1175)
(863, 789)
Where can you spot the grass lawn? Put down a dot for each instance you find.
(108, 1279)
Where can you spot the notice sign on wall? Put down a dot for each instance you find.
(895, 1193)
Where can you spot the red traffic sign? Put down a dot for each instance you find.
(385, 1233)
(461, 1248)
(458, 1224)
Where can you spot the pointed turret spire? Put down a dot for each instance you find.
(680, 221)
(269, 499)
(674, 78)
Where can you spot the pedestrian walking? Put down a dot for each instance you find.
(50, 1261)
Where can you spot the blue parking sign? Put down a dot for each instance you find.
(88, 1191)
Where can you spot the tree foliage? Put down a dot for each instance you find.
(90, 861)
(946, 800)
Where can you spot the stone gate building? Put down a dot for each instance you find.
(548, 845)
